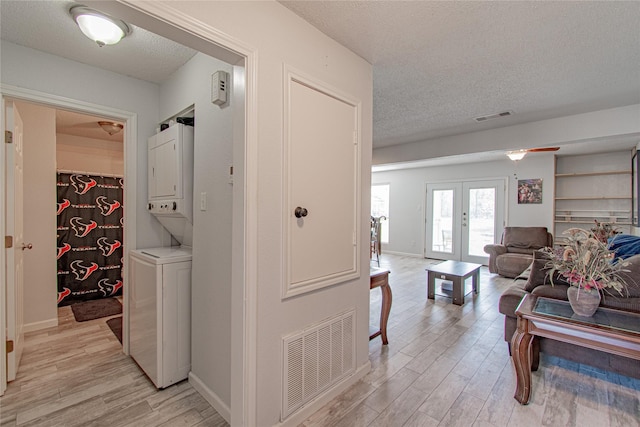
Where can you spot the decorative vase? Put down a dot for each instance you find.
(584, 303)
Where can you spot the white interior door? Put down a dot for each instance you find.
(14, 228)
(463, 217)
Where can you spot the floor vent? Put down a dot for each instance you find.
(316, 358)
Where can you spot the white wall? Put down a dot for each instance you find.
(75, 153)
(211, 275)
(407, 194)
(32, 69)
(40, 278)
(276, 36)
(279, 37)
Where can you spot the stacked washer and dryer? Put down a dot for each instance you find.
(160, 278)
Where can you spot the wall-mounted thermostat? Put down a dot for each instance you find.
(219, 81)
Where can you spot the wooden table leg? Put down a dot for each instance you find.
(384, 312)
(476, 281)
(458, 290)
(521, 356)
(431, 285)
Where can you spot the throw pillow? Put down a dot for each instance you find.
(539, 274)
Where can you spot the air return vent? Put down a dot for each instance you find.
(317, 358)
(493, 116)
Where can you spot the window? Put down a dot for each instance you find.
(380, 207)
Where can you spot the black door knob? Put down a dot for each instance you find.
(300, 212)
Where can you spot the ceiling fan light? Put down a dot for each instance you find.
(516, 155)
(100, 28)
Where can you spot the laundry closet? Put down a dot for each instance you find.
(160, 277)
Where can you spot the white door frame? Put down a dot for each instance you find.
(130, 192)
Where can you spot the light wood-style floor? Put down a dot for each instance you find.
(444, 365)
(76, 375)
(447, 365)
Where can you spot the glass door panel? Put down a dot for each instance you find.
(463, 217)
(482, 218)
(443, 221)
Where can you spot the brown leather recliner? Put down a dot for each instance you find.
(515, 254)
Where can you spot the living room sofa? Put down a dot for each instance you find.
(515, 252)
(538, 283)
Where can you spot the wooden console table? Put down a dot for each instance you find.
(379, 278)
(611, 331)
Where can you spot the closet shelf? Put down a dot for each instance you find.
(595, 198)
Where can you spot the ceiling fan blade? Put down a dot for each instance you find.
(538, 150)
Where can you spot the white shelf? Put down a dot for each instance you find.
(592, 187)
(583, 174)
(594, 198)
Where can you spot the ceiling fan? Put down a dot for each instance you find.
(519, 154)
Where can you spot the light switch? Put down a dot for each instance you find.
(203, 201)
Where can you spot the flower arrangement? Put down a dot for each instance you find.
(586, 262)
(603, 231)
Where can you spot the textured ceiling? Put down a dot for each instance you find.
(48, 27)
(439, 64)
(436, 65)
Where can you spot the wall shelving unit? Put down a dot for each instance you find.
(592, 187)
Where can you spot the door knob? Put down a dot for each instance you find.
(27, 246)
(300, 212)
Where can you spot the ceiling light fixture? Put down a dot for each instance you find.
(111, 127)
(99, 27)
(516, 155)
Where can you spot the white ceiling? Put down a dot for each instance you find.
(439, 64)
(72, 123)
(436, 64)
(48, 27)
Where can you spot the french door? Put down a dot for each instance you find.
(462, 217)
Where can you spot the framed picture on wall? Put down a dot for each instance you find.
(530, 191)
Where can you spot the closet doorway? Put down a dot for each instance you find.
(462, 217)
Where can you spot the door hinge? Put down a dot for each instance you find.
(9, 346)
(8, 241)
(355, 137)
(8, 137)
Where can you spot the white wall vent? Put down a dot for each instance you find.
(493, 116)
(316, 358)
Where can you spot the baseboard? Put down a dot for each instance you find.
(309, 409)
(210, 397)
(36, 326)
(402, 254)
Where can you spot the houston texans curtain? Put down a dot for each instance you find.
(90, 227)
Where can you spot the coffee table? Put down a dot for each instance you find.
(457, 272)
(609, 330)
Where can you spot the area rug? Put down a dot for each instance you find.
(95, 309)
(115, 325)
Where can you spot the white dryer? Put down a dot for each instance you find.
(160, 313)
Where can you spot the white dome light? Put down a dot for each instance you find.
(100, 28)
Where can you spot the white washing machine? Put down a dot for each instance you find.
(160, 313)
